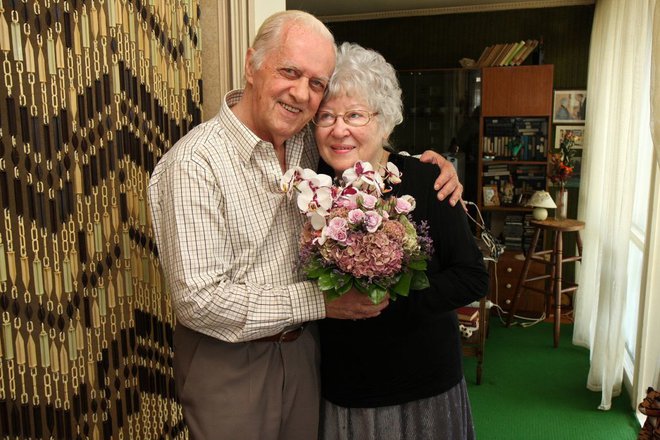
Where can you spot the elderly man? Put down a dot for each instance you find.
(247, 357)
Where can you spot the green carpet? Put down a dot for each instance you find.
(530, 390)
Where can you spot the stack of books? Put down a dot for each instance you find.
(468, 320)
(507, 54)
(513, 231)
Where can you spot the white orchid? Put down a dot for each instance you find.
(363, 187)
(315, 195)
(290, 179)
(391, 174)
(363, 176)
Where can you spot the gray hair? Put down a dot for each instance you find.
(365, 74)
(269, 35)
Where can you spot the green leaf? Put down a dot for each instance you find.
(419, 281)
(361, 286)
(417, 264)
(315, 269)
(403, 286)
(326, 282)
(376, 293)
(345, 287)
(341, 278)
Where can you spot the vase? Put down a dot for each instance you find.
(561, 200)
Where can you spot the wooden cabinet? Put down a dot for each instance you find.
(517, 91)
(515, 139)
(509, 267)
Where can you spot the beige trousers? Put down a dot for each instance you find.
(248, 391)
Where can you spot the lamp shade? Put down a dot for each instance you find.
(541, 199)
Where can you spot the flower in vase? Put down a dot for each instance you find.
(561, 167)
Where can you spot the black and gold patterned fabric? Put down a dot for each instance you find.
(92, 93)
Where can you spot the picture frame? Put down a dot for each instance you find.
(491, 195)
(569, 106)
(578, 131)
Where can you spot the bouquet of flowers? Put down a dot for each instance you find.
(562, 160)
(356, 237)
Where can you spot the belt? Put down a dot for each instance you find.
(285, 336)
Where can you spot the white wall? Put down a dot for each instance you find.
(228, 27)
(262, 10)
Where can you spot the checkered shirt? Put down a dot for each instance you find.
(227, 236)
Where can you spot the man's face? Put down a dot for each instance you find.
(289, 85)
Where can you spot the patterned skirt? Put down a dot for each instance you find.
(446, 416)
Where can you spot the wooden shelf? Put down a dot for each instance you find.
(513, 162)
(515, 125)
(508, 208)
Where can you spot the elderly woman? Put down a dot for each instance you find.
(399, 375)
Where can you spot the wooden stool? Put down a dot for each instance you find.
(554, 288)
(475, 345)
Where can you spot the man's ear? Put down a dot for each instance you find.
(248, 66)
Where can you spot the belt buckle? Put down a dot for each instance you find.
(286, 332)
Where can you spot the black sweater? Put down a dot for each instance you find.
(413, 349)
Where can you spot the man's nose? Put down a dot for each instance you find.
(300, 89)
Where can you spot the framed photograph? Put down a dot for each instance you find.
(491, 195)
(577, 131)
(570, 106)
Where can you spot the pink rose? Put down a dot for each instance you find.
(356, 216)
(403, 206)
(347, 201)
(373, 221)
(337, 229)
(368, 201)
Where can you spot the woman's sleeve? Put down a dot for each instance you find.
(457, 273)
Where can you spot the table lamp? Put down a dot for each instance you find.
(541, 201)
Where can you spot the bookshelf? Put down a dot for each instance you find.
(515, 136)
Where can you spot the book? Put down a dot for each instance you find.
(467, 314)
(493, 54)
(517, 58)
(505, 50)
(512, 52)
(497, 173)
(484, 54)
(528, 50)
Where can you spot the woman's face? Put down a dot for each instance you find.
(341, 145)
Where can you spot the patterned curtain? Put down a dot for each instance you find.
(92, 93)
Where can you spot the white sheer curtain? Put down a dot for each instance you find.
(618, 86)
(655, 83)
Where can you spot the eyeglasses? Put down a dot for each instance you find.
(354, 118)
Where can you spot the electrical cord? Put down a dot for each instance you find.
(494, 246)
(495, 250)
